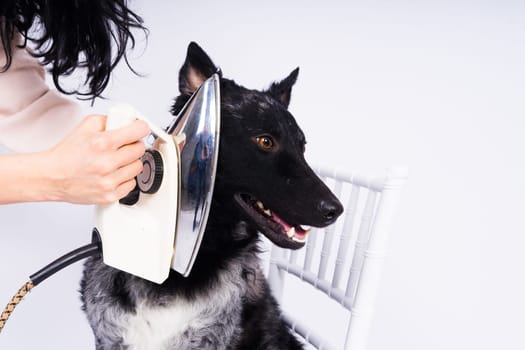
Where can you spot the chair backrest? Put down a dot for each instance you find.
(343, 261)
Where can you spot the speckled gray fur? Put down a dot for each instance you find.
(216, 325)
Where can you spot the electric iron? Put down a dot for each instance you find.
(159, 226)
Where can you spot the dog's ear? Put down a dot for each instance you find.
(197, 67)
(282, 90)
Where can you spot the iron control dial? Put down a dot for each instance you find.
(150, 178)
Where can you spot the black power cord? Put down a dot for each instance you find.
(94, 248)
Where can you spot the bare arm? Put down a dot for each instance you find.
(90, 166)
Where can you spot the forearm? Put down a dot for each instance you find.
(27, 178)
(89, 166)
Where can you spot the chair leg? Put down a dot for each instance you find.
(275, 274)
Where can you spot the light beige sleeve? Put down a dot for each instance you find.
(32, 116)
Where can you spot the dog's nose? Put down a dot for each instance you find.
(330, 210)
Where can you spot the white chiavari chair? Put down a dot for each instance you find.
(343, 261)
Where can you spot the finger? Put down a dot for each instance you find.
(128, 154)
(127, 172)
(128, 134)
(125, 188)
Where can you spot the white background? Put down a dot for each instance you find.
(437, 86)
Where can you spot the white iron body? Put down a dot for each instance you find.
(163, 230)
(139, 238)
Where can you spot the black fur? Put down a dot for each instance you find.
(227, 260)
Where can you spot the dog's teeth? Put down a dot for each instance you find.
(291, 232)
(260, 205)
(300, 240)
(268, 212)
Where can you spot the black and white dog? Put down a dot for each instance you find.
(263, 184)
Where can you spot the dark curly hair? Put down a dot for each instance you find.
(89, 34)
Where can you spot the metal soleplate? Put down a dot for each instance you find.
(197, 133)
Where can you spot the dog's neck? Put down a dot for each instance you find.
(226, 229)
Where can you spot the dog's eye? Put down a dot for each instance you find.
(265, 142)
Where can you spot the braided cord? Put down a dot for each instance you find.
(14, 302)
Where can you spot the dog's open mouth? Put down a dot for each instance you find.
(286, 235)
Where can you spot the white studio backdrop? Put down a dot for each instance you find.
(437, 86)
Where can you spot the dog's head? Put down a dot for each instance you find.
(261, 165)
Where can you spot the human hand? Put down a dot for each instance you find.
(95, 166)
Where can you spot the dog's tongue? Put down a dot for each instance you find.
(286, 226)
(281, 222)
